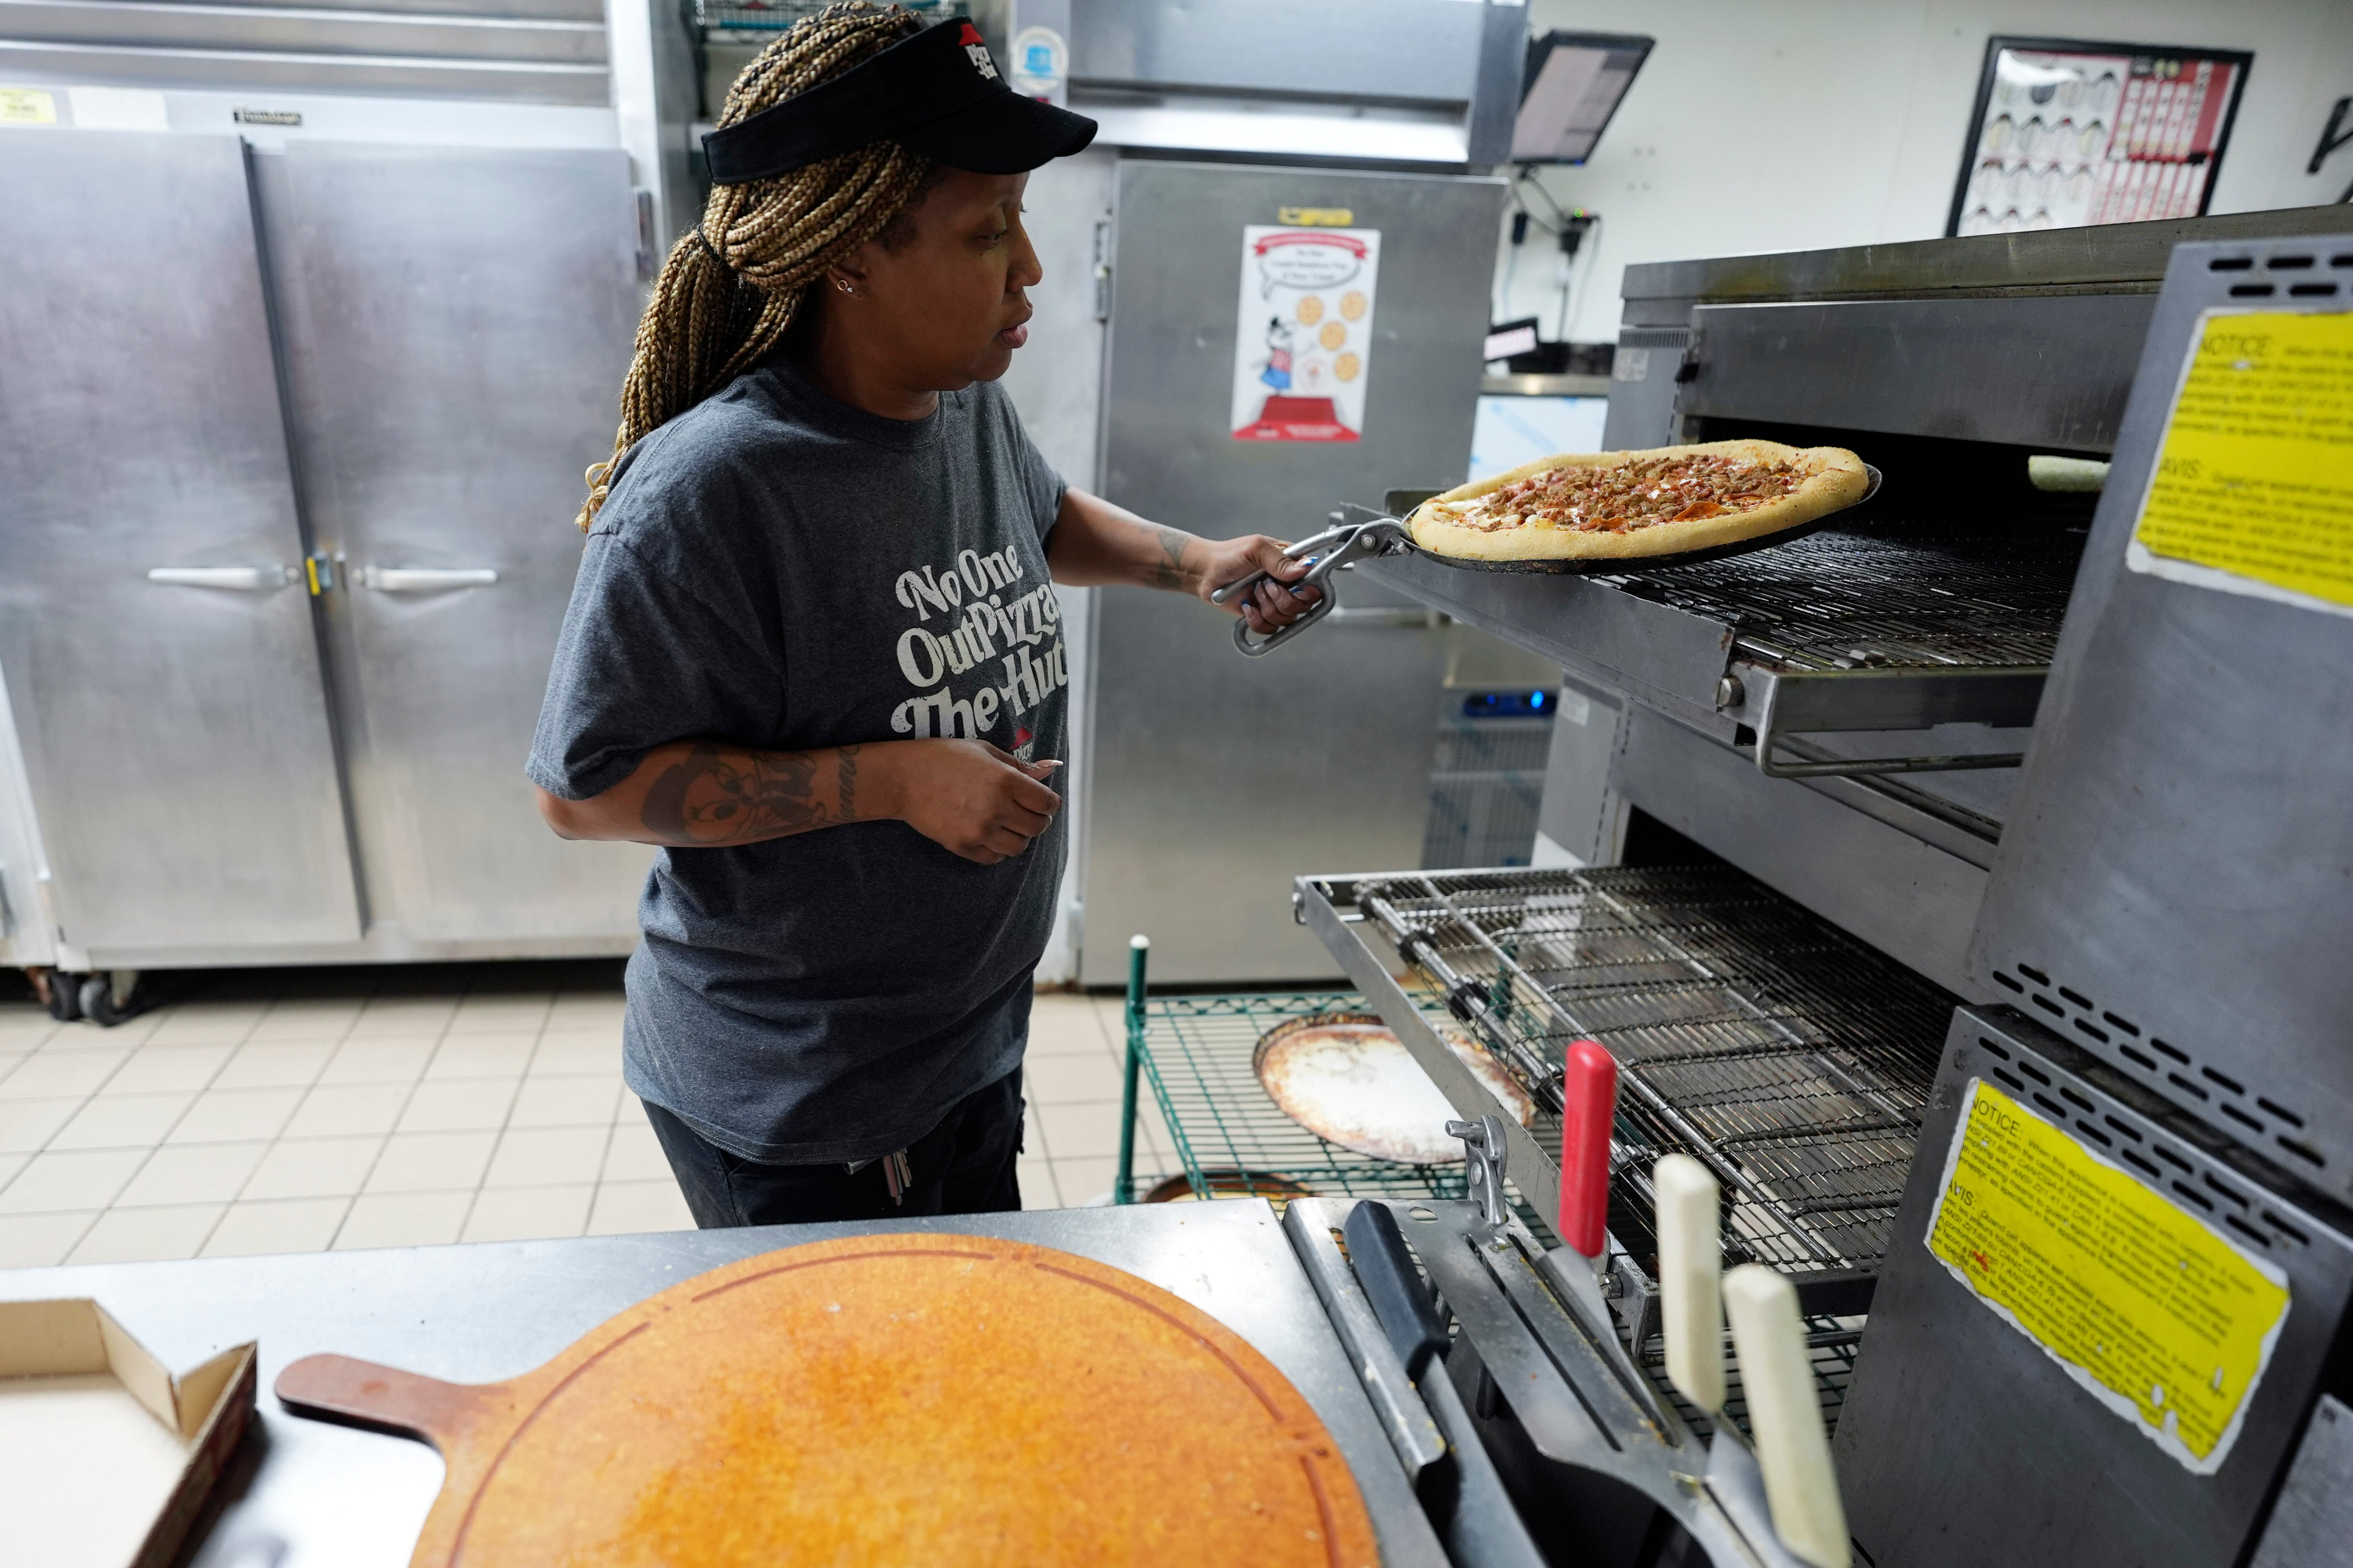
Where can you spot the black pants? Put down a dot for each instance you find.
(964, 1166)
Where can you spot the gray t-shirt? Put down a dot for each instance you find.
(776, 569)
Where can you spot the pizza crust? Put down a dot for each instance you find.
(1346, 1078)
(1836, 479)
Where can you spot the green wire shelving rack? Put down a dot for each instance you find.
(1193, 1055)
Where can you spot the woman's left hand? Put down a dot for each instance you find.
(1270, 606)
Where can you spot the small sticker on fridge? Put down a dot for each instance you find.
(1304, 348)
(27, 106)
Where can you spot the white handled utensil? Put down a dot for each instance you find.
(1784, 1416)
(1690, 1278)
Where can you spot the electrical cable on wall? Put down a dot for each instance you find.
(1569, 227)
(1580, 225)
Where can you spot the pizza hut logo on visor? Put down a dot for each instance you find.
(976, 51)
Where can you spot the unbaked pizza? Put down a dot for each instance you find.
(1627, 505)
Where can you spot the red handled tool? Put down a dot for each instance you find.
(1589, 1088)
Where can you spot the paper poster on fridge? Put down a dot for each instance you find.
(1303, 347)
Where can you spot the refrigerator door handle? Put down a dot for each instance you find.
(425, 579)
(244, 579)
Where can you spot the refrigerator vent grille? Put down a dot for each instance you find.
(1484, 792)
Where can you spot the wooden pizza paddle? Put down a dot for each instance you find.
(881, 1399)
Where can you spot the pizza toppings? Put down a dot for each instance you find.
(1642, 493)
(1668, 501)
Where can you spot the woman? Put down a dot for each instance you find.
(814, 652)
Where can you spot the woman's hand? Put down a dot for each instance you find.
(1270, 604)
(969, 797)
(966, 797)
(1094, 543)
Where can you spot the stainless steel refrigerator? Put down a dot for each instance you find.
(1211, 777)
(292, 441)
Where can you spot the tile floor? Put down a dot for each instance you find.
(294, 1112)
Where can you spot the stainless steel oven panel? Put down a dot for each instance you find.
(2109, 257)
(2036, 370)
(1644, 381)
(2314, 1516)
(160, 648)
(457, 324)
(1890, 885)
(2172, 886)
(1962, 1442)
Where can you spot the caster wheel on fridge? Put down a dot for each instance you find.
(109, 999)
(63, 994)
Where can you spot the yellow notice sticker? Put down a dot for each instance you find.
(2156, 1314)
(2254, 488)
(27, 106)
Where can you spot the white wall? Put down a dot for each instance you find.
(1763, 125)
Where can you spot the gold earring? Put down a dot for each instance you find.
(843, 284)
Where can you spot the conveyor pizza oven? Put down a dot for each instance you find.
(1970, 884)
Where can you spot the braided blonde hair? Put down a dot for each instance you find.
(730, 289)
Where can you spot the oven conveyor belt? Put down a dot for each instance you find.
(1794, 1060)
(1882, 627)
(1893, 597)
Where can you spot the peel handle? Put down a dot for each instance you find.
(1690, 1277)
(1785, 1416)
(1305, 547)
(1316, 612)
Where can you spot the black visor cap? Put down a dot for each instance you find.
(936, 94)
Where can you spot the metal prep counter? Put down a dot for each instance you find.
(302, 1492)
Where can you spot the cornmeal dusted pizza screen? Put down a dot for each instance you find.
(2148, 1309)
(2255, 475)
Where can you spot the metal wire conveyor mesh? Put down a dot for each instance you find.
(1892, 598)
(1792, 1059)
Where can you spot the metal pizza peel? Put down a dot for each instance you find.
(1340, 547)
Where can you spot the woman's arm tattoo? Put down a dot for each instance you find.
(1170, 573)
(715, 795)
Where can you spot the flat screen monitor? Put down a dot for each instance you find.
(1574, 83)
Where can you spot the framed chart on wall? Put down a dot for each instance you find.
(2069, 133)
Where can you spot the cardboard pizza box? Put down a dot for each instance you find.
(106, 1458)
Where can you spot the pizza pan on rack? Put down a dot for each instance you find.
(1346, 1078)
(1230, 1183)
(1619, 565)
